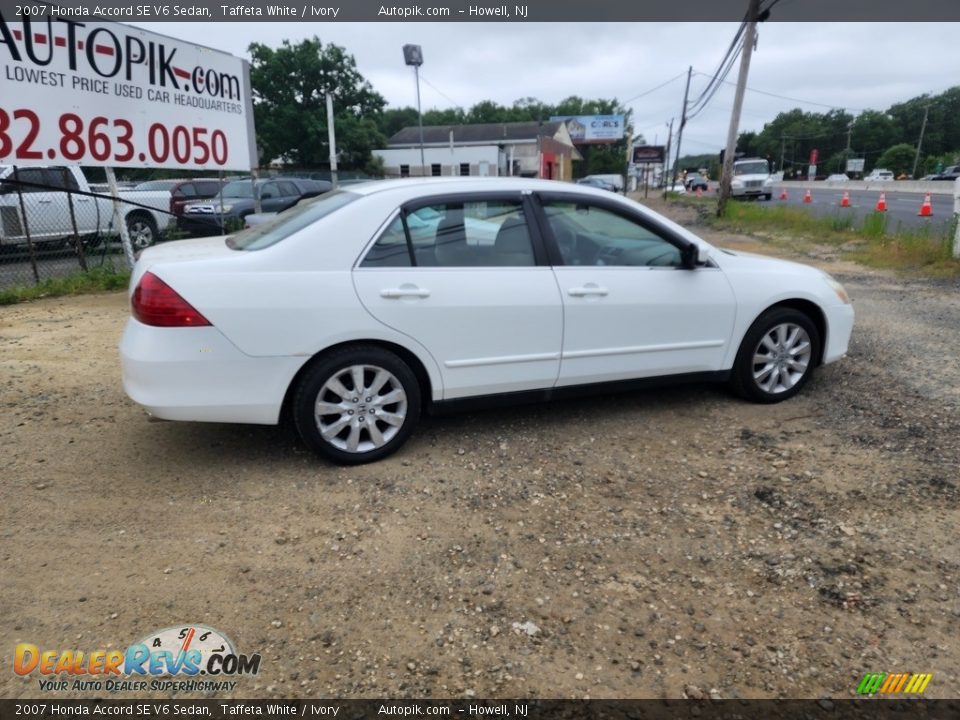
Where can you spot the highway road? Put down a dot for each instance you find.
(902, 207)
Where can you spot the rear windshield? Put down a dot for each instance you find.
(290, 221)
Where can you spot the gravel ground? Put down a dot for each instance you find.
(658, 544)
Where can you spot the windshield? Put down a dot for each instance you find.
(238, 189)
(751, 168)
(290, 221)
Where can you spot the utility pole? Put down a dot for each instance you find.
(748, 40)
(666, 163)
(331, 137)
(783, 151)
(683, 121)
(846, 153)
(916, 158)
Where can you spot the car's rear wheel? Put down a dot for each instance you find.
(357, 405)
(777, 356)
(142, 231)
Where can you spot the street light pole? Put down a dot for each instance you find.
(413, 55)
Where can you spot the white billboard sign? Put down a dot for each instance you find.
(585, 129)
(107, 94)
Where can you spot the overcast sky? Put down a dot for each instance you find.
(854, 66)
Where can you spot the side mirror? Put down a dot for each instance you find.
(703, 255)
(692, 256)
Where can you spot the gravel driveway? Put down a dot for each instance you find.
(655, 544)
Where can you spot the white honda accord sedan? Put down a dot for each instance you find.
(354, 313)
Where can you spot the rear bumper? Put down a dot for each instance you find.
(197, 374)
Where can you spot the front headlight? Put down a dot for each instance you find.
(736, 184)
(225, 208)
(837, 288)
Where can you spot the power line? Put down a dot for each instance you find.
(736, 45)
(647, 92)
(441, 93)
(791, 99)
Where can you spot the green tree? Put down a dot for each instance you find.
(899, 159)
(289, 101)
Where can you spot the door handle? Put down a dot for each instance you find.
(402, 292)
(588, 289)
(44, 202)
(82, 199)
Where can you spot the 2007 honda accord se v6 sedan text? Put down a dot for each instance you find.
(355, 312)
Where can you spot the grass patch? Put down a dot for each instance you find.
(927, 249)
(100, 279)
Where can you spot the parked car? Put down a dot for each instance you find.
(340, 313)
(227, 211)
(879, 175)
(597, 183)
(950, 173)
(695, 181)
(44, 191)
(184, 191)
(838, 177)
(610, 178)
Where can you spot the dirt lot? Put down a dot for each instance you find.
(644, 545)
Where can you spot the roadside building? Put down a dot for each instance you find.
(526, 149)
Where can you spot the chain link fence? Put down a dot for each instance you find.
(53, 224)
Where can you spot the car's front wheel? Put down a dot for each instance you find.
(777, 356)
(357, 405)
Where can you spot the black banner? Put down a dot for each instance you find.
(480, 11)
(823, 709)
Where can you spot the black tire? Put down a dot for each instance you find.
(768, 197)
(781, 372)
(357, 419)
(142, 230)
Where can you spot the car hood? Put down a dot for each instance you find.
(734, 260)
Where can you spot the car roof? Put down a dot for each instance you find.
(438, 185)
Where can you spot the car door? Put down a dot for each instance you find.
(466, 276)
(64, 184)
(631, 309)
(271, 198)
(44, 207)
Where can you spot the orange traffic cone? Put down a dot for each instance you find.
(808, 198)
(783, 194)
(882, 203)
(926, 210)
(845, 200)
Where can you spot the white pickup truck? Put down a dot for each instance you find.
(44, 193)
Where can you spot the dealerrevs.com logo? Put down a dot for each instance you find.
(184, 658)
(111, 51)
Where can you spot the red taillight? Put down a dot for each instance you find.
(156, 303)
